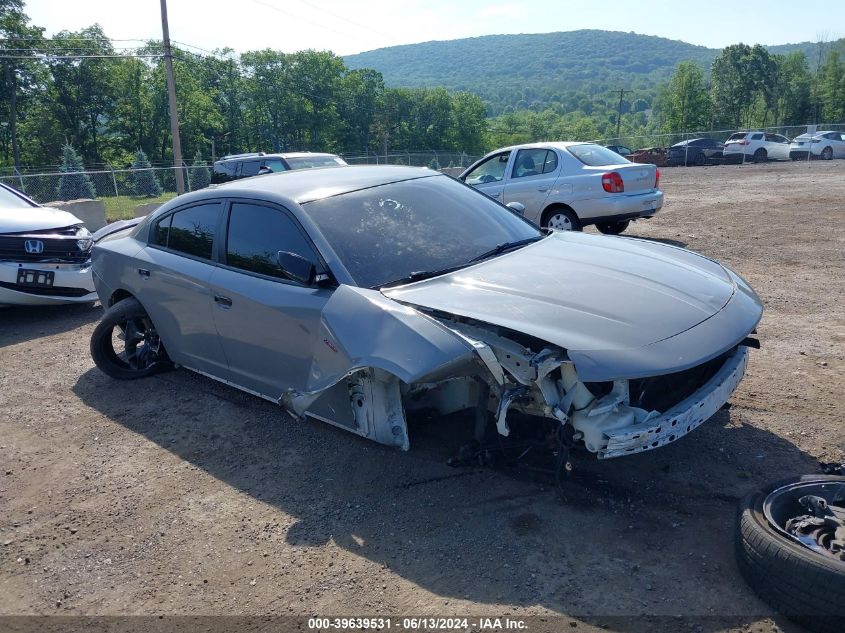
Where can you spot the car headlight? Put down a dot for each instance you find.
(84, 240)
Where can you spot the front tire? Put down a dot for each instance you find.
(125, 344)
(806, 586)
(612, 228)
(562, 220)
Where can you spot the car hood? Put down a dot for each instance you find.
(583, 292)
(20, 220)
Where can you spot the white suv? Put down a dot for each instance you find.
(755, 146)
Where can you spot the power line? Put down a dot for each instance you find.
(345, 19)
(42, 57)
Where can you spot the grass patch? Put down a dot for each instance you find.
(123, 207)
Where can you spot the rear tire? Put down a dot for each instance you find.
(827, 153)
(761, 156)
(561, 220)
(612, 228)
(700, 160)
(143, 353)
(805, 586)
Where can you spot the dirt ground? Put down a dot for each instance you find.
(178, 495)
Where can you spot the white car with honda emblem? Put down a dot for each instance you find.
(567, 185)
(45, 254)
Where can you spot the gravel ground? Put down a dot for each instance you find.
(178, 495)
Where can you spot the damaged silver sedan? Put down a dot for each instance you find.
(356, 295)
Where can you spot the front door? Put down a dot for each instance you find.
(489, 175)
(267, 323)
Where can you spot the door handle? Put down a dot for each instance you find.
(143, 272)
(546, 188)
(224, 302)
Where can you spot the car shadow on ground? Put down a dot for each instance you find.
(655, 528)
(27, 323)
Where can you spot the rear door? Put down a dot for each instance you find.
(175, 269)
(267, 323)
(532, 176)
(837, 142)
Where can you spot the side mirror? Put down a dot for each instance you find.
(297, 267)
(518, 207)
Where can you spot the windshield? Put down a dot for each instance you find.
(388, 232)
(9, 199)
(595, 155)
(306, 162)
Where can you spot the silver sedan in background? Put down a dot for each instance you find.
(566, 186)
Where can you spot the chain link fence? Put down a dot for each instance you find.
(434, 159)
(51, 184)
(643, 141)
(138, 184)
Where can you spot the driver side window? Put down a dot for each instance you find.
(491, 170)
(255, 236)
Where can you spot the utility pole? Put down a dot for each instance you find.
(171, 98)
(618, 112)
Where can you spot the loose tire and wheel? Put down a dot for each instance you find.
(562, 220)
(761, 156)
(125, 344)
(612, 228)
(827, 153)
(805, 585)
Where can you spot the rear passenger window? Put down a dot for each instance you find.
(189, 231)
(158, 236)
(249, 168)
(756, 137)
(257, 234)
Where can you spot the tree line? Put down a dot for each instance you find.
(746, 87)
(76, 88)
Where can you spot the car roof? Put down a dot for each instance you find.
(544, 145)
(306, 185)
(258, 155)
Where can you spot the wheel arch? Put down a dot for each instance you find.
(120, 295)
(556, 206)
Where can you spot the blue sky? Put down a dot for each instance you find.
(352, 26)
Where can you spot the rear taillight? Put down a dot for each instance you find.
(656, 178)
(612, 182)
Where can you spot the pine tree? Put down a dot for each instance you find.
(75, 184)
(144, 182)
(199, 175)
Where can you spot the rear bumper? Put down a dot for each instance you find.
(619, 208)
(74, 284)
(801, 154)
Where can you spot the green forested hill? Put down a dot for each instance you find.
(549, 67)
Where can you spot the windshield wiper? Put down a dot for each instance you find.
(505, 246)
(419, 275)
